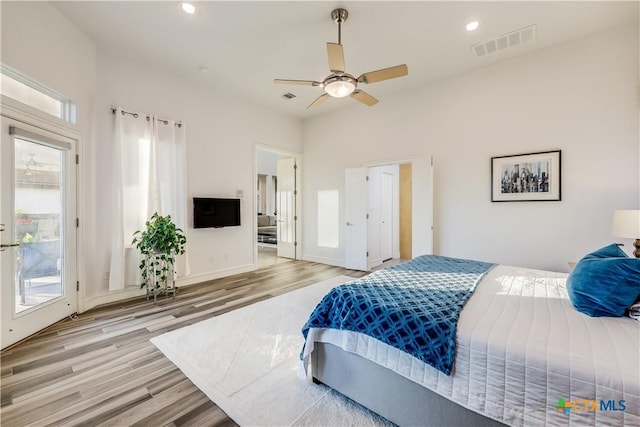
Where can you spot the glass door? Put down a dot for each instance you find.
(38, 237)
(286, 208)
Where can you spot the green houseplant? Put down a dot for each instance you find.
(159, 242)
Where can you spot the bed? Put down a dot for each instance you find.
(524, 356)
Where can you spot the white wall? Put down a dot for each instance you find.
(40, 42)
(221, 130)
(580, 97)
(221, 133)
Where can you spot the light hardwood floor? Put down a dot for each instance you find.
(101, 368)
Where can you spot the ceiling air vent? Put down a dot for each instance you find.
(515, 38)
(288, 95)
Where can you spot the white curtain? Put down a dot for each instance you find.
(149, 175)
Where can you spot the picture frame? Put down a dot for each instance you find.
(531, 177)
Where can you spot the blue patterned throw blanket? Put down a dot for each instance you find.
(413, 306)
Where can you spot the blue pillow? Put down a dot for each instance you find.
(611, 251)
(605, 282)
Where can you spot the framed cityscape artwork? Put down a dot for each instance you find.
(526, 177)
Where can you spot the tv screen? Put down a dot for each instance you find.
(215, 213)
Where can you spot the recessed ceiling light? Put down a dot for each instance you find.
(188, 7)
(472, 26)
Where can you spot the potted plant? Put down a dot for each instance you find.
(159, 243)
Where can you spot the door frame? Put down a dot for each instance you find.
(286, 153)
(422, 213)
(18, 111)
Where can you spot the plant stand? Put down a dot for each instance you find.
(156, 269)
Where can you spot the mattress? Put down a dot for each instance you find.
(525, 356)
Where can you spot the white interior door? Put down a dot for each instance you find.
(374, 257)
(422, 206)
(356, 196)
(386, 215)
(37, 213)
(286, 208)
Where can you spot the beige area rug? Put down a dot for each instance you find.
(246, 361)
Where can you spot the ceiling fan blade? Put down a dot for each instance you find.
(384, 74)
(364, 97)
(336, 57)
(319, 100)
(297, 82)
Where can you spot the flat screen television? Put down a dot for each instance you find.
(215, 213)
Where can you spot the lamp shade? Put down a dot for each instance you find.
(626, 223)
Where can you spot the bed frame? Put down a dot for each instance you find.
(386, 393)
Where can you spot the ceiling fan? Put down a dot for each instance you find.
(340, 84)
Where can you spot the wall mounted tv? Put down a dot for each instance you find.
(215, 213)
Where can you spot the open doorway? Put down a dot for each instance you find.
(388, 212)
(383, 225)
(277, 205)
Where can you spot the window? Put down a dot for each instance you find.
(17, 86)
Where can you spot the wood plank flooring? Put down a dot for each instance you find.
(101, 369)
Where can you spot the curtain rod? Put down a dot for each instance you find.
(147, 117)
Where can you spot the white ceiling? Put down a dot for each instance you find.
(245, 45)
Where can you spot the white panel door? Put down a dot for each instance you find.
(356, 194)
(374, 221)
(38, 238)
(286, 208)
(386, 216)
(422, 206)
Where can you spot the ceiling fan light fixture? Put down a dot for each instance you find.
(339, 86)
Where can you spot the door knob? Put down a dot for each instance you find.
(10, 245)
(349, 224)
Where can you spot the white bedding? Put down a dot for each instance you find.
(521, 347)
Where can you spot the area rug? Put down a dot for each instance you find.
(246, 361)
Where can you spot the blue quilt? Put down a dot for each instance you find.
(413, 306)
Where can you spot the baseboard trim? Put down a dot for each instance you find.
(135, 291)
(323, 260)
(113, 296)
(194, 279)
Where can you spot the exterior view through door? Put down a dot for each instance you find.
(38, 217)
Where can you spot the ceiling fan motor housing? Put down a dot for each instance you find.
(339, 15)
